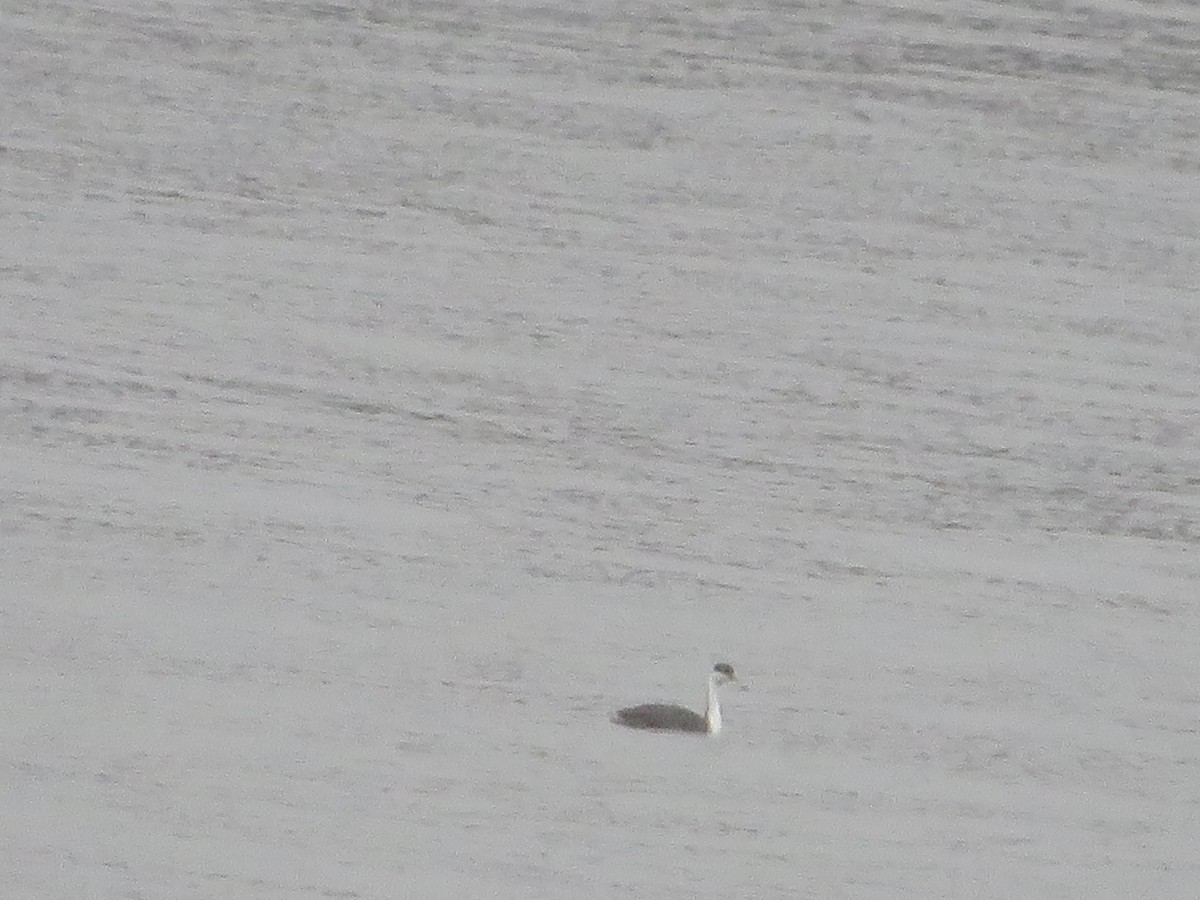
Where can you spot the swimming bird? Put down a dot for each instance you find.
(668, 717)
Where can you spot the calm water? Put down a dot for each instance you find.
(388, 391)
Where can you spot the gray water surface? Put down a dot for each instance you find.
(391, 390)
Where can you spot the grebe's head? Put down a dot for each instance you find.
(723, 673)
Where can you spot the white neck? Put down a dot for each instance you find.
(712, 715)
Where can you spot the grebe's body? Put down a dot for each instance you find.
(668, 717)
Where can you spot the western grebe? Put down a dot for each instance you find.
(668, 717)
